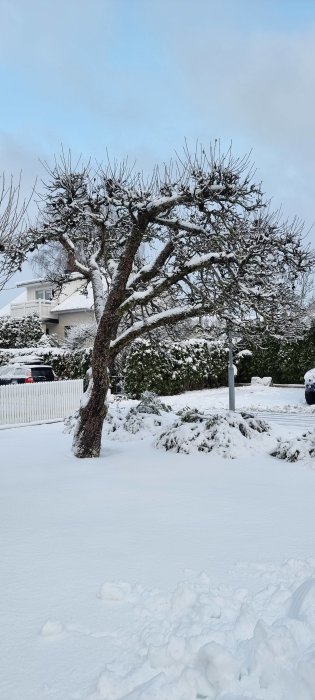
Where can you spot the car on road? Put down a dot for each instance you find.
(27, 370)
(309, 379)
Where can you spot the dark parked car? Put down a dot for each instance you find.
(309, 379)
(26, 371)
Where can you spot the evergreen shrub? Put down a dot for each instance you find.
(171, 368)
(285, 361)
(20, 332)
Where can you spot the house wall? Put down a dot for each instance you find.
(68, 289)
(73, 318)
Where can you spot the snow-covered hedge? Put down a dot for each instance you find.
(20, 332)
(284, 361)
(172, 368)
(224, 434)
(66, 364)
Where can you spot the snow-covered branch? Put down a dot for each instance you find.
(164, 318)
(180, 225)
(97, 286)
(197, 262)
(71, 249)
(150, 270)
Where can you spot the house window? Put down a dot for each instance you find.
(43, 294)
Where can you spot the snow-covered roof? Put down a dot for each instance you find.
(6, 310)
(29, 283)
(75, 302)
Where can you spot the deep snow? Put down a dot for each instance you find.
(156, 575)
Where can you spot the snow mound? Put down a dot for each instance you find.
(264, 381)
(201, 642)
(302, 447)
(223, 434)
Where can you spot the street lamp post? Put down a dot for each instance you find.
(231, 374)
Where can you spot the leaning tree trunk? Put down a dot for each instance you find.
(93, 410)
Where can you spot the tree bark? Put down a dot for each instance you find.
(94, 408)
(93, 411)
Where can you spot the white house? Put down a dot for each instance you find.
(57, 310)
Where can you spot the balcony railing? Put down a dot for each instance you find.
(39, 307)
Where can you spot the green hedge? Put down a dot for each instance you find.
(172, 368)
(286, 362)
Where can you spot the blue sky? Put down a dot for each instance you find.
(137, 77)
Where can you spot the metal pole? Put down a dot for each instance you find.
(231, 375)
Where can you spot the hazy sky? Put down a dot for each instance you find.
(137, 77)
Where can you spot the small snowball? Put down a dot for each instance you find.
(52, 628)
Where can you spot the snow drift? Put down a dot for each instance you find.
(200, 642)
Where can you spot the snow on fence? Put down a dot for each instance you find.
(31, 403)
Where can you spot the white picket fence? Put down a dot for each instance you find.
(32, 403)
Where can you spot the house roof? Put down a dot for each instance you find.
(76, 302)
(29, 283)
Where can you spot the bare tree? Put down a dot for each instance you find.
(196, 239)
(12, 224)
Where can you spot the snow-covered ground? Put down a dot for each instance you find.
(255, 397)
(150, 575)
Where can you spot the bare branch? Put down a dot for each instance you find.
(12, 224)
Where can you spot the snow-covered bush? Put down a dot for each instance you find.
(126, 420)
(301, 447)
(81, 336)
(49, 341)
(148, 417)
(20, 332)
(150, 403)
(171, 368)
(225, 435)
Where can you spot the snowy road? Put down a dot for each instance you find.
(297, 422)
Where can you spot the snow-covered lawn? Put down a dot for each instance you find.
(150, 575)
